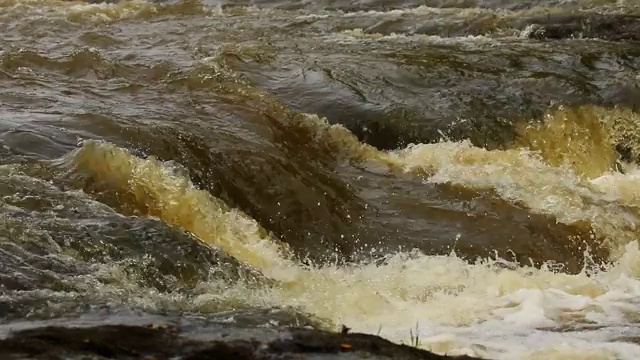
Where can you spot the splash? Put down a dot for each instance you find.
(563, 167)
(566, 169)
(358, 36)
(576, 138)
(489, 308)
(583, 138)
(154, 189)
(461, 308)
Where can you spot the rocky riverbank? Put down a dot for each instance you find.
(161, 341)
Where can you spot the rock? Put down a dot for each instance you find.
(590, 26)
(161, 341)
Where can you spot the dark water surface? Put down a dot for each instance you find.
(470, 166)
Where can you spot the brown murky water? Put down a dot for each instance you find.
(470, 166)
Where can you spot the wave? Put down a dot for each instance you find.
(474, 303)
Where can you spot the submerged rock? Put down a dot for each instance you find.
(165, 342)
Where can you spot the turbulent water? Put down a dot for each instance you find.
(462, 169)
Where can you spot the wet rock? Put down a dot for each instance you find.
(591, 26)
(159, 341)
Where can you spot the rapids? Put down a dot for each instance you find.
(468, 171)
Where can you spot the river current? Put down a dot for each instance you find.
(464, 170)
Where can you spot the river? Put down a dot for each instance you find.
(465, 170)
